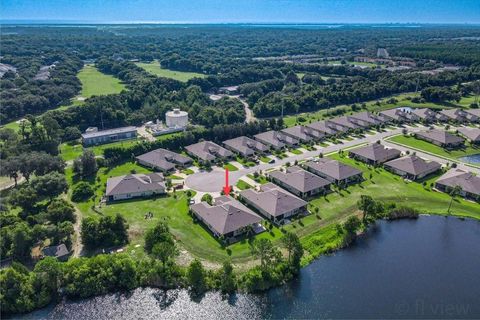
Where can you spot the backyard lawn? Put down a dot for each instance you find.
(230, 167)
(155, 68)
(431, 148)
(72, 151)
(242, 185)
(333, 208)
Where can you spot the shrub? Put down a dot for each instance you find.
(82, 192)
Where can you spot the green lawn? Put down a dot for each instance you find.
(245, 162)
(155, 68)
(230, 167)
(296, 151)
(187, 171)
(242, 185)
(431, 148)
(95, 83)
(260, 179)
(316, 231)
(72, 151)
(265, 159)
(389, 187)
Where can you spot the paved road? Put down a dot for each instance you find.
(214, 180)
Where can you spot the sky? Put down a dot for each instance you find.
(246, 11)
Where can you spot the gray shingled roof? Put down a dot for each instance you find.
(245, 145)
(323, 126)
(163, 159)
(425, 113)
(474, 112)
(368, 117)
(275, 138)
(208, 151)
(300, 179)
(413, 165)
(273, 199)
(303, 133)
(226, 214)
(108, 132)
(471, 133)
(376, 152)
(465, 180)
(346, 122)
(441, 136)
(55, 251)
(395, 114)
(454, 114)
(133, 183)
(333, 168)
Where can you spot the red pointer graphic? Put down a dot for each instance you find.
(226, 189)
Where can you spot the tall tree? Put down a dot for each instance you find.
(196, 276)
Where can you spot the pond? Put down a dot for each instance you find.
(474, 158)
(424, 268)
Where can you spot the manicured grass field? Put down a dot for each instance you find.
(242, 185)
(265, 159)
(73, 151)
(155, 68)
(230, 167)
(296, 151)
(95, 83)
(430, 147)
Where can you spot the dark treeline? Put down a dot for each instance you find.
(225, 54)
(306, 97)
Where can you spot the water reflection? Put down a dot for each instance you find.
(424, 268)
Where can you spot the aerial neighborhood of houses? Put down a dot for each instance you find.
(287, 188)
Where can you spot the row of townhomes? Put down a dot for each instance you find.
(286, 195)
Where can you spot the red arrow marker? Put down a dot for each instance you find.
(226, 189)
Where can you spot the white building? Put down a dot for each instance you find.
(176, 118)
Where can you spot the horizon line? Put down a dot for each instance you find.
(152, 22)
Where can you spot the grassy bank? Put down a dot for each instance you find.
(314, 230)
(415, 143)
(95, 83)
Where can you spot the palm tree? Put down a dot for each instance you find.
(455, 191)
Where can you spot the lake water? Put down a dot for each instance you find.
(425, 268)
(475, 158)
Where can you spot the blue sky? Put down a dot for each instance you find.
(264, 11)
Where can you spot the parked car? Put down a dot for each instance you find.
(192, 201)
(271, 161)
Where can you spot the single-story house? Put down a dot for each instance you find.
(334, 171)
(135, 185)
(426, 115)
(326, 127)
(455, 115)
(208, 151)
(245, 146)
(375, 153)
(162, 159)
(60, 252)
(368, 119)
(469, 183)
(441, 138)
(300, 182)
(303, 134)
(227, 217)
(412, 167)
(273, 202)
(398, 115)
(472, 134)
(474, 112)
(347, 123)
(276, 139)
(95, 137)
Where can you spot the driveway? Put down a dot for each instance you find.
(214, 180)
